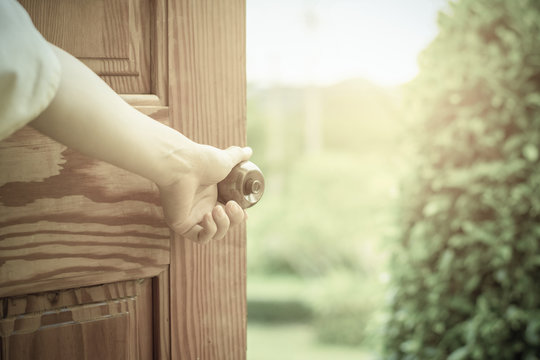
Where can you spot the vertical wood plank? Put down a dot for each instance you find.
(144, 320)
(162, 325)
(207, 95)
(159, 61)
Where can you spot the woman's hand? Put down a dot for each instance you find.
(190, 200)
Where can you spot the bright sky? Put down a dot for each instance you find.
(299, 42)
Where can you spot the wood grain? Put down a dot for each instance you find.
(102, 322)
(159, 51)
(39, 302)
(68, 221)
(65, 216)
(144, 320)
(112, 37)
(161, 312)
(141, 28)
(86, 29)
(207, 103)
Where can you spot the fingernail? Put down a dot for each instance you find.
(237, 207)
(220, 211)
(233, 206)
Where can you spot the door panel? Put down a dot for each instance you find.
(104, 322)
(112, 37)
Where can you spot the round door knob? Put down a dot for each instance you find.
(244, 184)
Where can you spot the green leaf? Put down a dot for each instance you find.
(532, 333)
(459, 354)
(530, 152)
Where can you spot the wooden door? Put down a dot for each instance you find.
(88, 268)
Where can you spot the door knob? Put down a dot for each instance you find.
(244, 184)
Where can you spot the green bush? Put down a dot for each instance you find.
(467, 270)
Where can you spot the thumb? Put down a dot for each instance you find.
(238, 154)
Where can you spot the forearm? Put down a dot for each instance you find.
(87, 115)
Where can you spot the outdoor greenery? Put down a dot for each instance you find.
(326, 211)
(444, 174)
(322, 208)
(466, 270)
(294, 342)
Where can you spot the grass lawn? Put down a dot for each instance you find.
(288, 340)
(295, 342)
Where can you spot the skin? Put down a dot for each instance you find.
(88, 116)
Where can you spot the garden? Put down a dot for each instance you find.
(404, 222)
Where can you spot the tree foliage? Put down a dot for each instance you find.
(467, 268)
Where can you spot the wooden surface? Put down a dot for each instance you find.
(113, 37)
(102, 322)
(68, 219)
(207, 103)
(161, 313)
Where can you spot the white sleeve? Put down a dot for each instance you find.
(29, 70)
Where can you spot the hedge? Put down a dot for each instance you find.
(466, 272)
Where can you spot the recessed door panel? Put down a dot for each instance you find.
(105, 322)
(112, 37)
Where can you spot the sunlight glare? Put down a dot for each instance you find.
(322, 42)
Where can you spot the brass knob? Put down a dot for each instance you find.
(244, 184)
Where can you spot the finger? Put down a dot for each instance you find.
(238, 154)
(235, 212)
(209, 228)
(222, 222)
(202, 232)
(193, 233)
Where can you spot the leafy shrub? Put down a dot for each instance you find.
(467, 268)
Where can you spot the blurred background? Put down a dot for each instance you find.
(325, 121)
(399, 142)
